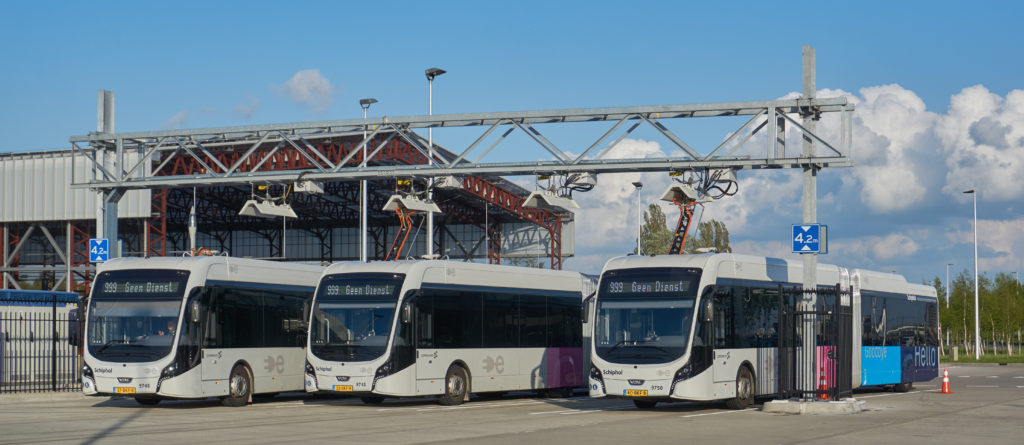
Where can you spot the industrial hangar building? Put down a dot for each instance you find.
(47, 224)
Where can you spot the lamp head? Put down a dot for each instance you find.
(969, 191)
(365, 103)
(639, 185)
(434, 72)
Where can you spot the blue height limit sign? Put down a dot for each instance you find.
(810, 238)
(99, 250)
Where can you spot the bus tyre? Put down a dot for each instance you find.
(744, 390)
(147, 402)
(560, 393)
(644, 404)
(455, 386)
(239, 388)
(903, 387)
(372, 400)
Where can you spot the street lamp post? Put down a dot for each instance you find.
(977, 316)
(431, 74)
(639, 185)
(365, 103)
(947, 284)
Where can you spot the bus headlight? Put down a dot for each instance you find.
(87, 377)
(311, 373)
(168, 372)
(383, 371)
(596, 375)
(684, 373)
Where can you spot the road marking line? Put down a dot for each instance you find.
(721, 412)
(573, 411)
(1021, 377)
(965, 376)
(982, 386)
(1020, 386)
(896, 394)
(925, 385)
(992, 377)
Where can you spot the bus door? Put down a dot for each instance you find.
(215, 365)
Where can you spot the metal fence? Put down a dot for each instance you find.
(826, 328)
(39, 346)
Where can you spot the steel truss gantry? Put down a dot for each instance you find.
(241, 146)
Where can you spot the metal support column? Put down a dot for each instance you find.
(7, 249)
(810, 201)
(69, 279)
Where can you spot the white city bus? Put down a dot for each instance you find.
(187, 328)
(448, 329)
(703, 328)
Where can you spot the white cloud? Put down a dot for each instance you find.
(308, 88)
(771, 249)
(179, 121)
(1004, 238)
(247, 111)
(893, 245)
(982, 137)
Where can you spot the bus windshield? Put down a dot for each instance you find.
(353, 315)
(644, 315)
(133, 314)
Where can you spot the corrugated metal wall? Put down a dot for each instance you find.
(37, 187)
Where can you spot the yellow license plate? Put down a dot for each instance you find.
(636, 393)
(124, 390)
(343, 387)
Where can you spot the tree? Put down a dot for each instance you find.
(656, 236)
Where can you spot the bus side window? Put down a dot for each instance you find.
(211, 322)
(424, 321)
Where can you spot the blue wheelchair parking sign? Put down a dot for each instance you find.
(99, 250)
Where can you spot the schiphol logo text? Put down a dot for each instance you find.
(104, 370)
(612, 372)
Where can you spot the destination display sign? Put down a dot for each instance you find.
(648, 287)
(140, 287)
(355, 289)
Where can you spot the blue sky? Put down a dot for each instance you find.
(202, 64)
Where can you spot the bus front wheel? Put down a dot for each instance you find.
(239, 387)
(147, 402)
(744, 390)
(455, 386)
(372, 400)
(644, 404)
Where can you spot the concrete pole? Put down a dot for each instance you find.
(430, 182)
(362, 202)
(638, 223)
(810, 202)
(977, 315)
(106, 213)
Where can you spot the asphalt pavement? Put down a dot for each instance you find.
(987, 408)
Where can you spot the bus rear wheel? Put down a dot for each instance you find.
(147, 402)
(744, 390)
(239, 388)
(455, 386)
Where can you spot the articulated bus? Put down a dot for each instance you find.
(704, 328)
(192, 328)
(447, 329)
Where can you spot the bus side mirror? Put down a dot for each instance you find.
(708, 310)
(305, 311)
(587, 304)
(194, 311)
(406, 313)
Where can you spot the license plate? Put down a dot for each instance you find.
(635, 393)
(343, 387)
(124, 390)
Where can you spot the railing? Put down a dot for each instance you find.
(38, 346)
(826, 328)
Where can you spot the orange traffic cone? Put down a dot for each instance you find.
(945, 382)
(822, 384)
